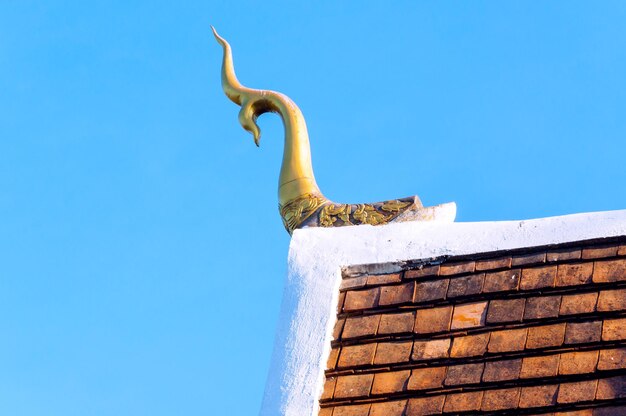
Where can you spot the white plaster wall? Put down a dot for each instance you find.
(316, 256)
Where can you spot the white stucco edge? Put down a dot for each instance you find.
(316, 256)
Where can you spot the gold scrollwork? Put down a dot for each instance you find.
(332, 212)
(372, 214)
(394, 206)
(368, 214)
(298, 210)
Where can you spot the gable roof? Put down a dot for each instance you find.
(320, 260)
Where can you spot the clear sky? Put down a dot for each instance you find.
(142, 257)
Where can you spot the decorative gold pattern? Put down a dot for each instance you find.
(331, 212)
(333, 215)
(395, 205)
(297, 211)
(368, 214)
(298, 194)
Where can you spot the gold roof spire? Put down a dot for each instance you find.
(301, 203)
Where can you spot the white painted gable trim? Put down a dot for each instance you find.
(316, 256)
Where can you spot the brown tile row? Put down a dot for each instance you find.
(496, 343)
(478, 314)
(454, 268)
(449, 377)
(549, 397)
(558, 276)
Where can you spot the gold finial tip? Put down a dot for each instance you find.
(219, 39)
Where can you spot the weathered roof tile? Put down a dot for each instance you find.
(431, 290)
(396, 323)
(329, 388)
(614, 329)
(583, 332)
(393, 408)
(352, 410)
(393, 352)
(354, 386)
(359, 326)
(355, 355)
(505, 310)
(540, 366)
(545, 336)
(383, 278)
(390, 382)
(469, 315)
(612, 359)
(465, 286)
(502, 370)
(542, 307)
(424, 271)
(470, 345)
(612, 300)
(433, 320)
(580, 391)
(500, 399)
(427, 378)
(563, 254)
(503, 281)
(430, 350)
(332, 359)
(538, 396)
(538, 277)
(464, 374)
(607, 271)
(463, 402)
(491, 264)
(432, 405)
(578, 362)
(528, 259)
(448, 269)
(599, 252)
(397, 294)
(574, 274)
(508, 340)
(611, 388)
(361, 299)
(578, 303)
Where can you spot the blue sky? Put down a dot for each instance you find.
(142, 257)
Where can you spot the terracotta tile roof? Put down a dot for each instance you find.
(538, 331)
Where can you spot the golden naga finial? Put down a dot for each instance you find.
(301, 203)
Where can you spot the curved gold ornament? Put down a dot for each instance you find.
(301, 203)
